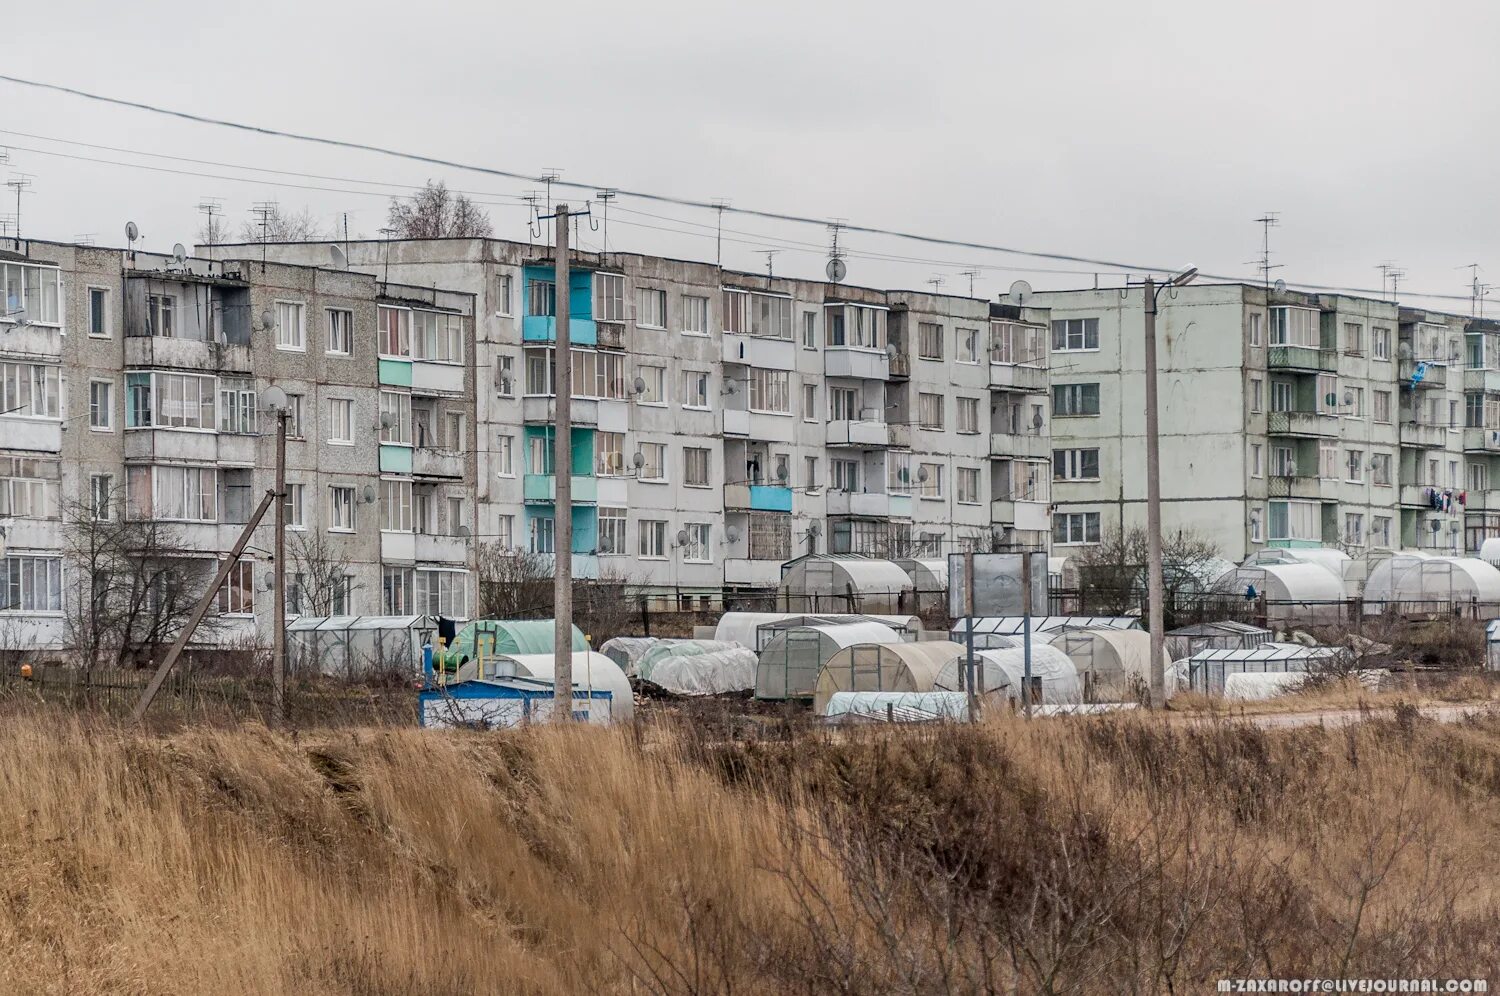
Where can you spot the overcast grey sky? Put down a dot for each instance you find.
(1150, 133)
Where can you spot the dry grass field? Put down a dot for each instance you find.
(1116, 855)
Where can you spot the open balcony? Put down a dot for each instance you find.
(1017, 377)
(1021, 445)
(429, 461)
(862, 433)
(542, 489)
(1302, 424)
(1424, 435)
(757, 497)
(1434, 374)
(1302, 359)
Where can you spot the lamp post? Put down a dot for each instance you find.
(1155, 585)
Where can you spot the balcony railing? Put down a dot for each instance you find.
(1309, 359)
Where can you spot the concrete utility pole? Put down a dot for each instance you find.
(278, 646)
(1154, 583)
(562, 470)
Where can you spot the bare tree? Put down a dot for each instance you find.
(280, 225)
(1112, 573)
(513, 584)
(132, 588)
(324, 574)
(435, 212)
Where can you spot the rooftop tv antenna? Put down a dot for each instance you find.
(770, 255)
(85, 238)
(836, 269)
(971, 274)
(937, 281)
(605, 196)
(1390, 272)
(1267, 221)
(533, 226)
(549, 176)
(719, 205)
(19, 183)
(1477, 291)
(212, 209)
(264, 212)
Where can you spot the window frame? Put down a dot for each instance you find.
(300, 307)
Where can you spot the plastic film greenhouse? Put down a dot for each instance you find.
(883, 667)
(789, 665)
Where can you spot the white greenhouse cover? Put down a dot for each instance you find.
(1007, 669)
(627, 651)
(903, 707)
(1297, 582)
(1489, 551)
(883, 667)
(874, 575)
(1334, 561)
(1407, 578)
(927, 575)
(848, 634)
(666, 649)
(713, 673)
(741, 627)
(591, 669)
(1258, 686)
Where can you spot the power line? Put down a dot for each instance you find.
(719, 206)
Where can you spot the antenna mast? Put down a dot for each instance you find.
(212, 208)
(971, 274)
(1267, 221)
(19, 183)
(770, 254)
(719, 206)
(605, 196)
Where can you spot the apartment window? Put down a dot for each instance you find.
(395, 418)
(1074, 334)
(341, 601)
(967, 482)
(541, 300)
(541, 452)
(609, 454)
(543, 535)
(843, 404)
(1074, 528)
(1380, 343)
(1328, 394)
(930, 480)
(29, 390)
(504, 288)
(31, 584)
(394, 331)
(1283, 461)
(341, 509)
(294, 410)
(968, 415)
(395, 585)
(843, 475)
(809, 402)
(929, 340)
(694, 389)
(237, 596)
(769, 391)
(341, 420)
(1017, 344)
(653, 539)
(1256, 533)
(1299, 520)
(1256, 384)
(1255, 328)
(611, 532)
(1354, 338)
(187, 494)
(340, 331)
(1356, 402)
(1281, 396)
(1256, 465)
(968, 345)
(651, 307)
(1381, 407)
(1294, 327)
(1479, 477)
(1354, 529)
(441, 593)
(695, 467)
(1380, 469)
(930, 411)
(694, 315)
(505, 456)
(99, 312)
(102, 496)
(810, 472)
(1075, 399)
(165, 400)
(437, 337)
(655, 391)
(237, 412)
(395, 506)
(161, 315)
(655, 466)
(809, 330)
(505, 375)
(1328, 461)
(455, 430)
(1354, 463)
(29, 488)
(1075, 465)
(295, 507)
(505, 532)
(102, 405)
(1380, 530)
(696, 549)
(291, 333)
(609, 297)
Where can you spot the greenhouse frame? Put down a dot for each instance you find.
(1207, 669)
(835, 582)
(789, 666)
(883, 667)
(357, 646)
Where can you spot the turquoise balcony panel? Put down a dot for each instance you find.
(770, 498)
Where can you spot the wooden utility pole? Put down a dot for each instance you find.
(562, 471)
(1154, 584)
(278, 618)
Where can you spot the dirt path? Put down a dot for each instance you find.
(1442, 713)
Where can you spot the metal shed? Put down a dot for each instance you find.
(789, 665)
(883, 667)
(354, 646)
(497, 703)
(832, 582)
(1207, 669)
(1054, 678)
(1185, 641)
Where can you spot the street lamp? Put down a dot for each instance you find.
(1155, 585)
(275, 399)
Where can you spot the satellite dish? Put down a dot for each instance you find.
(386, 421)
(890, 351)
(464, 532)
(922, 474)
(639, 460)
(1036, 421)
(1279, 286)
(836, 269)
(682, 537)
(639, 384)
(369, 494)
(732, 534)
(816, 529)
(781, 472)
(339, 259)
(1436, 525)
(267, 320)
(1403, 350)
(1020, 290)
(268, 581)
(179, 252)
(131, 231)
(274, 398)
(1348, 398)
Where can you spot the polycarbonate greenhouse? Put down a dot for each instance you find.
(883, 667)
(1302, 591)
(756, 629)
(356, 646)
(789, 665)
(1054, 678)
(833, 582)
(1229, 634)
(1416, 583)
(1114, 664)
(1207, 669)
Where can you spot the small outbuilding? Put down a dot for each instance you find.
(499, 703)
(591, 670)
(1054, 678)
(790, 663)
(883, 667)
(838, 582)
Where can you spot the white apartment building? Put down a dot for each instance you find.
(725, 422)
(1287, 420)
